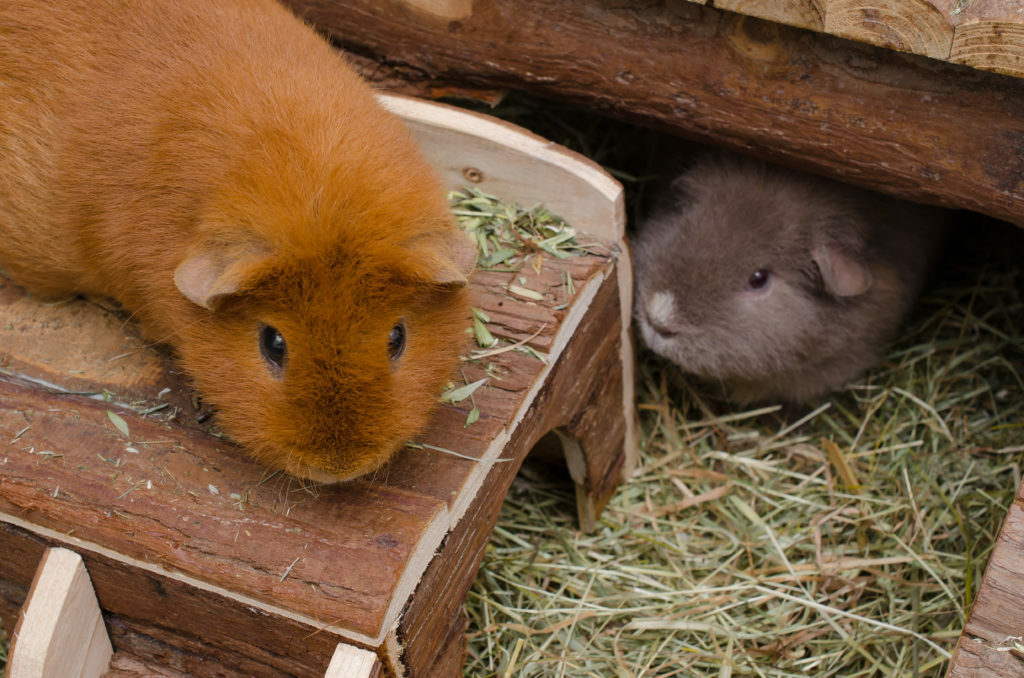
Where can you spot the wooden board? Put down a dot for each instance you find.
(902, 124)
(992, 643)
(204, 562)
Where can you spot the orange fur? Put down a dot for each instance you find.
(136, 135)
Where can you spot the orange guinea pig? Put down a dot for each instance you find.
(218, 169)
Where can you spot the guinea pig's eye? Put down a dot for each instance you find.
(273, 348)
(759, 279)
(396, 341)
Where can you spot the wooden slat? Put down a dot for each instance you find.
(60, 632)
(880, 119)
(187, 498)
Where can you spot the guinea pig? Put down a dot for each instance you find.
(221, 172)
(775, 284)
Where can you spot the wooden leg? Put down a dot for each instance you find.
(60, 631)
(591, 494)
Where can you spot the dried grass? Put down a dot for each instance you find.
(846, 542)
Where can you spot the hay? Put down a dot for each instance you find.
(849, 541)
(740, 548)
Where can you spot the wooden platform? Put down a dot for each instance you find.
(204, 563)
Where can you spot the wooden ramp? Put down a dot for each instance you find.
(204, 563)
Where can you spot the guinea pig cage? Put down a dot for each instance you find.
(203, 563)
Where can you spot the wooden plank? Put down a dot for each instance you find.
(888, 121)
(353, 662)
(986, 646)
(60, 632)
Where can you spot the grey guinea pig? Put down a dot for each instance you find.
(778, 285)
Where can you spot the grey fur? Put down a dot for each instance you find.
(812, 330)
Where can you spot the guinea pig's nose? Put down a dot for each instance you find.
(661, 313)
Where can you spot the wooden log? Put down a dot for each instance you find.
(983, 34)
(60, 631)
(917, 26)
(989, 34)
(809, 14)
(902, 124)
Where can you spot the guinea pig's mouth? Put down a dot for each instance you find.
(648, 325)
(316, 474)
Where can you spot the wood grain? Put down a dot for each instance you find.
(901, 124)
(918, 26)
(809, 14)
(989, 34)
(984, 34)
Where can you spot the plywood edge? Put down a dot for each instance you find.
(60, 632)
(349, 661)
(600, 213)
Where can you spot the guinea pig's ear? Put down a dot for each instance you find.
(842, 273)
(207, 277)
(447, 262)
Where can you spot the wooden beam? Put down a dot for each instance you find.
(906, 125)
(60, 632)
